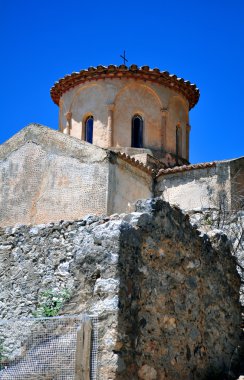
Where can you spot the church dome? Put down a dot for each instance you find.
(127, 107)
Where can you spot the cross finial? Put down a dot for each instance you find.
(124, 58)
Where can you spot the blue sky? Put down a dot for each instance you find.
(41, 41)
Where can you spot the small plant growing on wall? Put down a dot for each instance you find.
(207, 220)
(51, 302)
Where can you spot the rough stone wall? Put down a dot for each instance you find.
(237, 183)
(229, 223)
(178, 299)
(226, 223)
(167, 301)
(81, 257)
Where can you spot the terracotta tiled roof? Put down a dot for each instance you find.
(132, 161)
(185, 168)
(177, 169)
(189, 90)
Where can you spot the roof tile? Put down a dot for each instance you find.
(183, 168)
(187, 89)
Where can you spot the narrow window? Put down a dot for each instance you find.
(89, 129)
(178, 141)
(187, 140)
(137, 132)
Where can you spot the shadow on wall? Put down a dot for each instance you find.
(176, 304)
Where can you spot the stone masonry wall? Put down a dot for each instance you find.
(183, 304)
(81, 257)
(231, 224)
(47, 176)
(167, 301)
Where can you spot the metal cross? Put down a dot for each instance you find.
(123, 57)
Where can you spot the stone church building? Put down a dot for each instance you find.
(120, 108)
(125, 136)
(166, 295)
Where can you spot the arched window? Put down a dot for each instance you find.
(89, 129)
(137, 132)
(178, 138)
(187, 140)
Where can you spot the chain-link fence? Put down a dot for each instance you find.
(57, 348)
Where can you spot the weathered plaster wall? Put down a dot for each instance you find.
(128, 97)
(47, 176)
(211, 187)
(196, 188)
(167, 301)
(127, 184)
